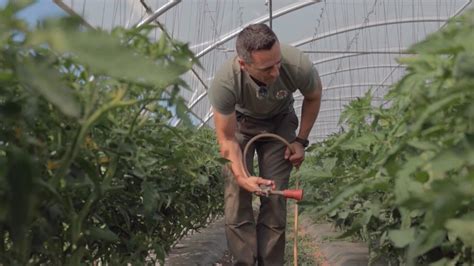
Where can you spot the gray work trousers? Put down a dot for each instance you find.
(264, 242)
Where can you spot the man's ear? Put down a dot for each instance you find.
(241, 63)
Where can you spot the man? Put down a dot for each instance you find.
(252, 94)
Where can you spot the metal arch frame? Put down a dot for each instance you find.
(339, 51)
(207, 118)
(328, 122)
(350, 85)
(322, 136)
(377, 85)
(209, 114)
(330, 110)
(350, 98)
(349, 54)
(325, 121)
(327, 128)
(278, 13)
(402, 51)
(360, 68)
(353, 54)
(228, 36)
(283, 11)
(468, 2)
(149, 19)
(330, 116)
(153, 17)
(367, 25)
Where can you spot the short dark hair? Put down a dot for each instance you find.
(252, 38)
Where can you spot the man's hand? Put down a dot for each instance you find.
(252, 184)
(297, 157)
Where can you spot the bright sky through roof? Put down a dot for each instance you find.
(39, 10)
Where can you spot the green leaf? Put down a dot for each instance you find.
(182, 112)
(339, 139)
(354, 229)
(406, 188)
(48, 83)
(464, 66)
(160, 253)
(315, 174)
(102, 234)
(425, 242)
(422, 145)
(406, 218)
(14, 7)
(343, 214)
(329, 163)
(444, 162)
(222, 160)
(402, 238)
(150, 197)
(351, 190)
(10, 110)
(203, 179)
(410, 166)
(105, 55)
(463, 228)
(20, 175)
(359, 144)
(435, 107)
(422, 176)
(447, 262)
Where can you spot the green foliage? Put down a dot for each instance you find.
(89, 167)
(402, 177)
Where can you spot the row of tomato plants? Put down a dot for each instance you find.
(90, 169)
(403, 173)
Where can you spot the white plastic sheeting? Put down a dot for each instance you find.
(353, 43)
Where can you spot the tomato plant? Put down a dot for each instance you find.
(403, 174)
(89, 167)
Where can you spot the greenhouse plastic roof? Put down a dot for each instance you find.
(352, 43)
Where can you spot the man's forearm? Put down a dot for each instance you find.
(230, 150)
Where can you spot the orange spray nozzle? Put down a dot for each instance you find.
(296, 194)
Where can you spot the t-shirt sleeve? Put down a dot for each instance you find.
(221, 95)
(308, 75)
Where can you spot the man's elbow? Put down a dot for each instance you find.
(314, 97)
(224, 153)
(224, 145)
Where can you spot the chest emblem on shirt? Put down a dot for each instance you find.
(281, 94)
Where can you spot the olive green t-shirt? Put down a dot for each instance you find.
(234, 90)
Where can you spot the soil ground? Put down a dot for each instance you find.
(316, 246)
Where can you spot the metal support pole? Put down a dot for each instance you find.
(158, 12)
(270, 13)
(72, 13)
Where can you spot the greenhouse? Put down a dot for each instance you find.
(112, 147)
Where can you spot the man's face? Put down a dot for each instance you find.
(265, 65)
